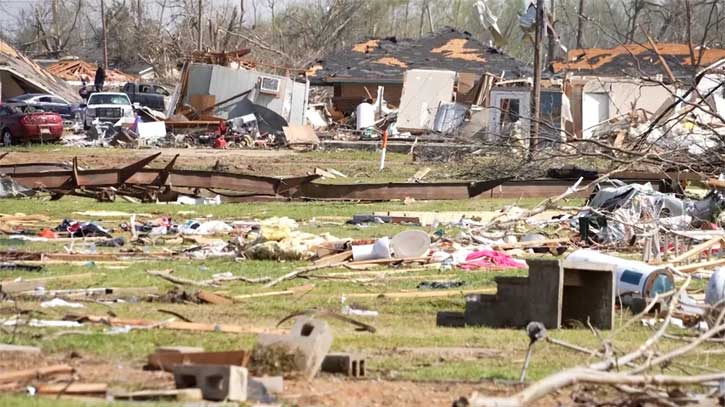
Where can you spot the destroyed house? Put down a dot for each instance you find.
(355, 73)
(20, 75)
(604, 84)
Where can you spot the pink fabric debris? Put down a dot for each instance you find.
(490, 258)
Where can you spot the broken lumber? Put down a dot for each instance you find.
(73, 388)
(303, 289)
(177, 325)
(18, 348)
(420, 294)
(699, 249)
(296, 272)
(212, 298)
(161, 395)
(688, 268)
(533, 243)
(28, 374)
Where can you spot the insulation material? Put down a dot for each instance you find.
(423, 92)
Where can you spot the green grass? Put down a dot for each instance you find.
(402, 323)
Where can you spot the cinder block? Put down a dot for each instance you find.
(550, 294)
(306, 346)
(451, 319)
(348, 364)
(217, 383)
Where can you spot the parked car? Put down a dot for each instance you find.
(107, 107)
(48, 103)
(20, 123)
(151, 96)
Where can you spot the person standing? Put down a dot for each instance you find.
(100, 78)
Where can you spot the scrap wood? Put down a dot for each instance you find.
(28, 374)
(533, 243)
(314, 313)
(689, 268)
(18, 348)
(167, 360)
(302, 270)
(696, 250)
(213, 282)
(161, 395)
(336, 258)
(72, 388)
(213, 298)
(421, 294)
(303, 289)
(174, 325)
(392, 261)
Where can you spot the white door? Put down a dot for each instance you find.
(595, 109)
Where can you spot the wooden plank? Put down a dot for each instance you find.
(699, 249)
(422, 294)
(212, 298)
(73, 388)
(303, 289)
(180, 325)
(535, 243)
(688, 268)
(161, 395)
(336, 258)
(27, 374)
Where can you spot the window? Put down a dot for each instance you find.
(108, 99)
(58, 100)
(269, 85)
(44, 99)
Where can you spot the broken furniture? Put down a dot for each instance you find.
(301, 351)
(551, 293)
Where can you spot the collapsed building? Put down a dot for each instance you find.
(441, 74)
(20, 75)
(604, 84)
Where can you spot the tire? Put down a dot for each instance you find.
(7, 138)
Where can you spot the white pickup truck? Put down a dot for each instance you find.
(107, 107)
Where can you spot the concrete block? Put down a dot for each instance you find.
(217, 383)
(301, 351)
(550, 294)
(352, 365)
(452, 319)
(264, 389)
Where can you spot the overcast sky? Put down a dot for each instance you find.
(10, 9)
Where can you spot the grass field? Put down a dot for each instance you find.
(406, 347)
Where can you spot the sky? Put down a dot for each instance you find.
(11, 9)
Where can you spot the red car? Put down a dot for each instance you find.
(19, 123)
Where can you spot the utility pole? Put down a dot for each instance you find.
(581, 25)
(536, 91)
(105, 35)
(198, 21)
(552, 40)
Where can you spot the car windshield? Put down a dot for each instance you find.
(99, 99)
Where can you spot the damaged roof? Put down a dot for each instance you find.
(32, 77)
(634, 60)
(75, 70)
(384, 60)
